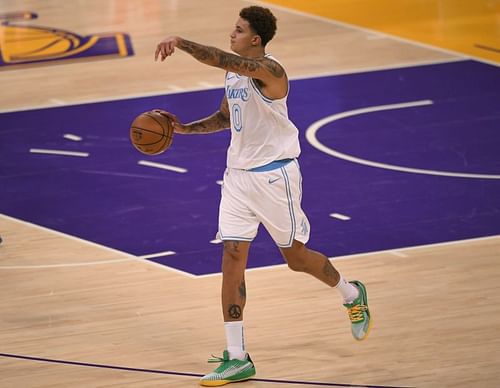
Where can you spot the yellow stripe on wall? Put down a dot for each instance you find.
(471, 27)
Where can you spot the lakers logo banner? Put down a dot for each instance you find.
(21, 44)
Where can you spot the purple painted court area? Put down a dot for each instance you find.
(109, 199)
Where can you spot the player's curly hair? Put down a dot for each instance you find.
(261, 20)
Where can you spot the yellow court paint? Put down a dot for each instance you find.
(22, 42)
(470, 27)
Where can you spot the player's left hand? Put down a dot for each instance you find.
(166, 47)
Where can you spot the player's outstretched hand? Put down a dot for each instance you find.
(166, 47)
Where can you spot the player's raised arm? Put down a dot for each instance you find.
(252, 31)
(262, 68)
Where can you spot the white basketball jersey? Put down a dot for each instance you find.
(260, 129)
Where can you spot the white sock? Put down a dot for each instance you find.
(347, 290)
(235, 340)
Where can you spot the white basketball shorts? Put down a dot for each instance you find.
(269, 197)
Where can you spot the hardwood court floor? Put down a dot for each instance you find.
(307, 47)
(428, 305)
(436, 314)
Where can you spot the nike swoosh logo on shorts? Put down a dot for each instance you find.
(273, 180)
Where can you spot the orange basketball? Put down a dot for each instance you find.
(151, 133)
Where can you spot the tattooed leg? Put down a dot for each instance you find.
(234, 261)
(302, 259)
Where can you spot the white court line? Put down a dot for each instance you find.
(126, 256)
(206, 84)
(70, 136)
(398, 254)
(375, 37)
(164, 267)
(57, 101)
(178, 90)
(370, 69)
(175, 88)
(371, 31)
(58, 152)
(316, 126)
(159, 254)
(388, 251)
(162, 166)
(340, 216)
(216, 241)
(47, 266)
(219, 182)
(89, 263)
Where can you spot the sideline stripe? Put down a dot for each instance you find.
(82, 264)
(192, 89)
(159, 254)
(58, 152)
(398, 254)
(70, 136)
(164, 267)
(402, 253)
(162, 166)
(187, 374)
(125, 256)
(340, 216)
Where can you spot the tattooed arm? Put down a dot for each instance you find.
(270, 73)
(213, 123)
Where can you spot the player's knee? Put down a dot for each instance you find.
(296, 265)
(296, 261)
(232, 253)
(296, 257)
(233, 262)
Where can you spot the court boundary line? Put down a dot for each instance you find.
(221, 86)
(374, 32)
(130, 257)
(393, 252)
(188, 374)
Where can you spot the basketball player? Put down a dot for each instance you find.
(262, 182)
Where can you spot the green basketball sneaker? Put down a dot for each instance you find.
(359, 314)
(229, 371)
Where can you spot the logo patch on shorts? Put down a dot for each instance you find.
(271, 181)
(304, 227)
